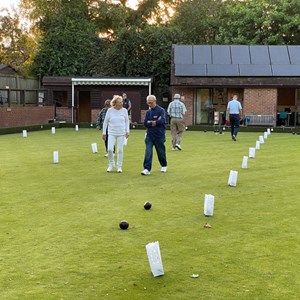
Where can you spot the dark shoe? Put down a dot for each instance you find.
(234, 138)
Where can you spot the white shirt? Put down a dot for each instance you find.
(116, 121)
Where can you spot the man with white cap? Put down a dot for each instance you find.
(176, 110)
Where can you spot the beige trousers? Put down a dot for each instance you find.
(177, 128)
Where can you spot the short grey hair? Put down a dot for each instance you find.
(177, 96)
(151, 98)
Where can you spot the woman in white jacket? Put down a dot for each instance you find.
(117, 122)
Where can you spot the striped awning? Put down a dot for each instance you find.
(111, 81)
(108, 81)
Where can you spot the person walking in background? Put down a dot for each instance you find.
(100, 120)
(234, 115)
(176, 110)
(156, 135)
(117, 123)
(127, 105)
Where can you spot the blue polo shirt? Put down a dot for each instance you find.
(234, 106)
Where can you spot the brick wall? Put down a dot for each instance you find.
(64, 114)
(94, 115)
(260, 101)
(25, 116)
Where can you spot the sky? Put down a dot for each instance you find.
(14, 3)
(8, 3)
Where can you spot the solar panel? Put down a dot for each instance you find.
(259, 55)
(255, 70)
(236, 60)
(221, 54)
(279, 55)
(190, 70)
(202, 54)
(183, 54)
(240, 54)
(294, 52)
(286, 70)
(222, 70)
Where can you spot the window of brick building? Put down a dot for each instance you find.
(60, 98)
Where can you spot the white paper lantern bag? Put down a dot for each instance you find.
(261, 139)
(245, 162)
(55, 157)
(257, 145)
(232, 180)
(125, 141)
(209, 201)
(76, 128)
(53, 130)
(265, 135)
(251, 152)
(154, 257)
(94, 148)
(24, 133)
(268, 131)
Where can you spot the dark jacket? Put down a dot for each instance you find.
(155, 114)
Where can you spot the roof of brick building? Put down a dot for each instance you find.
(236, 60)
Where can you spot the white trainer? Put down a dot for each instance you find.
(109, 169)
(174, 149)
(178, 147)
(163, 169)
(119, 170)
(145, 172)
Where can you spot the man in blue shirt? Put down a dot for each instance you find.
(156, 135)
(234, 114)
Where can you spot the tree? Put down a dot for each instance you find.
(141, 53)
(16, 44)
(261, 22)
(198, 20)
(70, 44)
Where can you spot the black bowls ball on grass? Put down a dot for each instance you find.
(147, 205)
(124, 225)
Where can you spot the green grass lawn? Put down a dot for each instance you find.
(59, 224)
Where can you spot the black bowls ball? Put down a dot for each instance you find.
(124, 225)
(147, 205)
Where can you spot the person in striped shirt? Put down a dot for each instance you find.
(176, 110)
